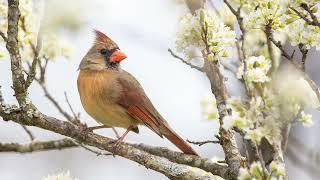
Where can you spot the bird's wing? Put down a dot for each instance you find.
(133, 98)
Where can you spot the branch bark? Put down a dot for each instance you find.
(37, 146)
(170, 169)
(13, 48)
(194, 161)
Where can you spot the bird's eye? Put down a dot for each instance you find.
(104, 51)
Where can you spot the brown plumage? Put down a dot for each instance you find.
(115, 98)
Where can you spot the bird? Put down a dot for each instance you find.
(114, 98)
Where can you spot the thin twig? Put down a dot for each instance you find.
(277, 43)
(3, 36)
(314, 18)
(30, 134)
(115, 132)
(1, 100)
(53, 101)
(98, 153)
(36, 59)
(185, 62)
(1, 96)
(304, 17)
(200, 143)
(75, 116)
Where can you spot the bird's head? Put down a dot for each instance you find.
(104, 54)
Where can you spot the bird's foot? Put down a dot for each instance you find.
(115, 144)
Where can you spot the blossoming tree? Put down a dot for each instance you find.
(246, 37)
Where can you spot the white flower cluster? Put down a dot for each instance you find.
(256, 172)
(209, 109)
(202, 30)
(257, 120)
(61, 176)
(261, 13)
(29, 25)
(298, 32)
(257, 69)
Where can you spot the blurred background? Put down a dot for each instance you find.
(144, 30)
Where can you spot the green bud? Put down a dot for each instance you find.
(314, 9)
(202, 16)
(210, 57)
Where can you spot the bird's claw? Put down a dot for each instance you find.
(116, 144)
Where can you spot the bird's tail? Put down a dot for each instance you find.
(177, 140)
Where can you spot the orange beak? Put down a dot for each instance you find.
(117, 56)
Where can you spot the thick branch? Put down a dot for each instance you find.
(162, 165)
(37, 146)
(13, 48)
(181, 158)
(218, 88)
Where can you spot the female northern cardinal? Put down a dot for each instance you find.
(115, 98)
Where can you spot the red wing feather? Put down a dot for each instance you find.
(145, 117)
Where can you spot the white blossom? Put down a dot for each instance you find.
(306, 119)
(261, 13)
(52, 46)
(255, 135)
(257, 69)
(61, 176)
(191, 34)
(278, 169)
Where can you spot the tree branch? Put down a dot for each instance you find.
(304, 51)
(181, 158)
(13, 48)
(185, 62)
(200, 143)
(315, 21)
(3, 36)
(30, 134)
(53, 101)
(37, 146)
(278, 45)
(218, 88)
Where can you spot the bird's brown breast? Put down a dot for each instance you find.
(99, 92)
